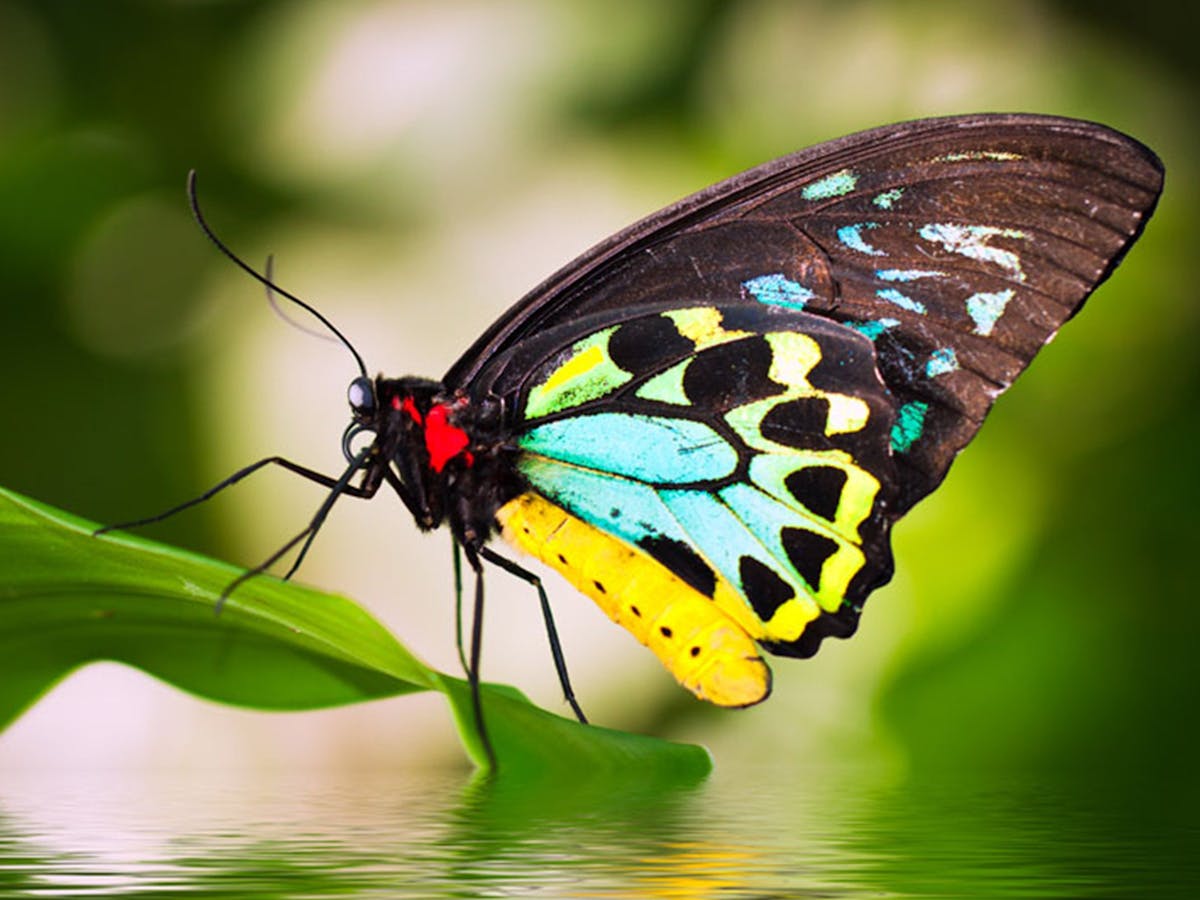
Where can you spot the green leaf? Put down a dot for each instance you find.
(68, 598)
(530, 741)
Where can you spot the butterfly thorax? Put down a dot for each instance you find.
(448, 453)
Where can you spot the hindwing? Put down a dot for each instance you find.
(745, 448)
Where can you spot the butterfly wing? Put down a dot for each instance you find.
(743, 449)
(719, 412)
(959, 246)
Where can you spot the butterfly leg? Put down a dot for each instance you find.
(341, 486)
(303, 471)
(560, 663)
(476, 650)
(337, 488)
(456, 556)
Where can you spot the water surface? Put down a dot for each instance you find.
(745, 833)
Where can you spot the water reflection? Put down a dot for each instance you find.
(744, 834)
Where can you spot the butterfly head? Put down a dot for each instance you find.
(417, 442)
(363, 415)
(361, 395)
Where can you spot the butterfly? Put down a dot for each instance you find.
(709, 422)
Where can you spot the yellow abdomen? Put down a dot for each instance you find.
(707, 651)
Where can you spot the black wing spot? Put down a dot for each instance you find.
(798, 423)
(562, 559)
(841, 624)
(637, 612)
(765, 590)
(599, 587)
(808, 551)
(683, 561)
(818, 488)
(643, 344)
(731, 374)
(665, 631)
(752, 317)
(840, 359)
(695, 651)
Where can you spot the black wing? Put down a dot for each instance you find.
(960, 245)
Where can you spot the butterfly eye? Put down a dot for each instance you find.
(361, 395)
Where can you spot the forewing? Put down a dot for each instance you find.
(959, 246)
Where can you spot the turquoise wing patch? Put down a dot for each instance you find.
(653, 449)
(754, 447)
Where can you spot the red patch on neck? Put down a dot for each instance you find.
(409, 406)
(443, 440)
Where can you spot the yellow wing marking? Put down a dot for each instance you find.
(587, 373)
(702, 325)
(705, 649)
(579, 364)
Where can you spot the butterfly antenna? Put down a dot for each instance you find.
(194, 201)
(268, 271)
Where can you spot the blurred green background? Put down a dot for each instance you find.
(415, 167)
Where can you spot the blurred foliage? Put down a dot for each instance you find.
(1044, 608)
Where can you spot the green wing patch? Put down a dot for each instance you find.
(739, 444)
